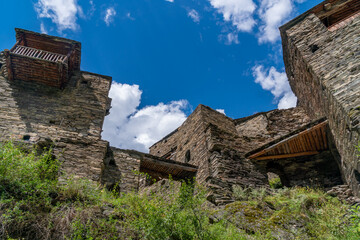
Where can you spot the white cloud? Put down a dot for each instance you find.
(287, 101)
(61, 12)
(273, 13)
(194, 15)
(110, 13)
(170, 1)
(267, 16)
(231, 38)
(238, 12)
(42, 28)
(277, 83)
(221, 111)
(128, 127)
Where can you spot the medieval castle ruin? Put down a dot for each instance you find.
(46, 99)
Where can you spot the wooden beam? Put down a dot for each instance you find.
(307, 132)
(287, 155)
(168, 165)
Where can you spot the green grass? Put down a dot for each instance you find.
(34, 205)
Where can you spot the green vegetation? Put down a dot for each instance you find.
(35, 204)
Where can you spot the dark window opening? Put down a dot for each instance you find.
(314, 48)
(26, 137)
(357, 176)
(0, 65)
(52, 121)
(84, 82)
(187, 156)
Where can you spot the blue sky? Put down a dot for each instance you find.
(168, 56)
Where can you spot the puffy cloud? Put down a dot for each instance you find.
(61, 12)
(273, 13)
(170, 1)
(238, 12)
(277, 83)
(287, 101)
(110, 13)
(268, 15)
(194, 15)
(128, 127)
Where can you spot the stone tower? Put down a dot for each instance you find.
(322, 59)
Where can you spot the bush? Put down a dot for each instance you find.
(34, 205)
(180, 215)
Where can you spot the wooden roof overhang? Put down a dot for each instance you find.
(163, 168)
(159, 167)
(308, 140)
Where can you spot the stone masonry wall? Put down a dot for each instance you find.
(210, 137)
(324, 71)
(190, 137)
(72, 118)
(262, 128)
(218, 145)
(121, 169)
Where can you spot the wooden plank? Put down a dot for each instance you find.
(318, 133)
(301, 139)
(316, 139)
(22, 50)
(293, 142)
(288, 155)
(324, 137)
(154, 162)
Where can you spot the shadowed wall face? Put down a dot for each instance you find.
(322, 65)
(72, 118)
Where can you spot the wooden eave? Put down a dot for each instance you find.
(308, 140)
(165, 168)
(161, 167)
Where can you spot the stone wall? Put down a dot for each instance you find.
(121, 170)
(192, 138)
(324, 70)
(71, 118)
(218, 144)
(265, 127)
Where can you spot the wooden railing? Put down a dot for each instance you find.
(40, 54)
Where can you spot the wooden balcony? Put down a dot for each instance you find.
(42, 58)
(39, 54)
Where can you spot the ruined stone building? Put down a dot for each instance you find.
(45, 97)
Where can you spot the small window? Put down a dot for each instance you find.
(26, 137)
(314, 48)
(187, 156)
